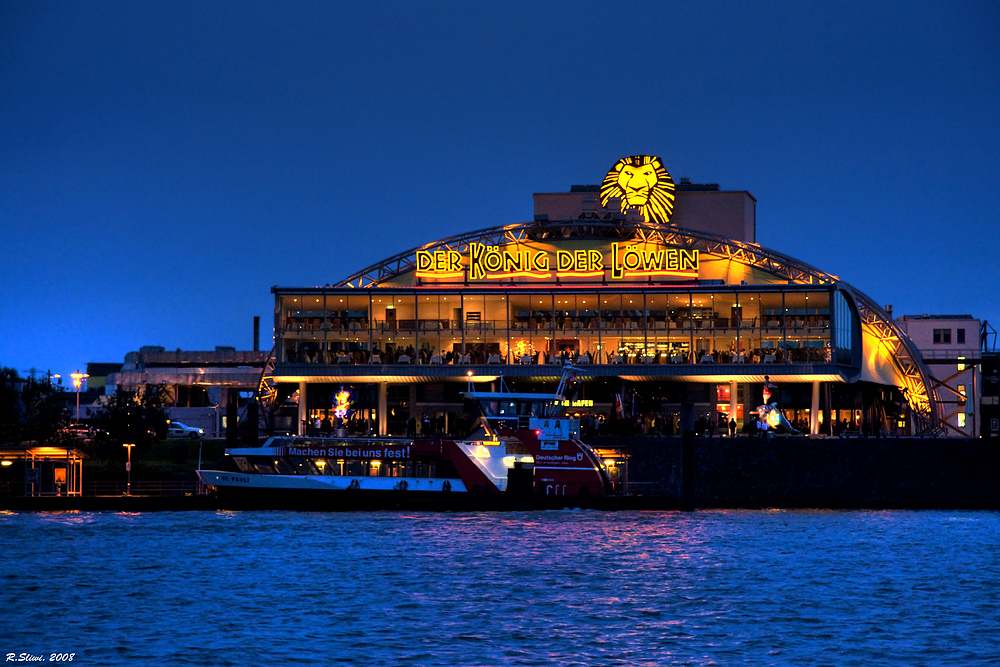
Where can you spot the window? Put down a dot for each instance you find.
(961, 390)
(961, 420)
(961, 335)
(942, 336)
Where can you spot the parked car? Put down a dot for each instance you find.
(179, 430)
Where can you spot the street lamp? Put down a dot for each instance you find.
(128, 469)
(78, 379)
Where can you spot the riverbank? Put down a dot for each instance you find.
(109, 503)
(800, 472)
(700, 473)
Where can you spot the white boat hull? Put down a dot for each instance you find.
(237, 480)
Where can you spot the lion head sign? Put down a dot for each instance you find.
(640, 182)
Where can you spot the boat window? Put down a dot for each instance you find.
(264, 467)
(354, 468)
(508, 408)
(284, 467)
(396, 469)
(304, 466)
(242, 464)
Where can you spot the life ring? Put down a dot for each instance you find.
(402, 486)
(446, 485)
(355, 484)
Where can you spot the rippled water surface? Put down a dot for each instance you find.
(570, 587)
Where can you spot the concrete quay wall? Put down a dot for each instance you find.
(800, 472)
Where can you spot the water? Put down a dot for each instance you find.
(569, 587)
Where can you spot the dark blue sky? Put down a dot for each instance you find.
(163, 164)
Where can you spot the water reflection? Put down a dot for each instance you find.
(513, 588)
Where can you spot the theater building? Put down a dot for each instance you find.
(656, 292)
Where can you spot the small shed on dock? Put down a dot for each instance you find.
(47, 470)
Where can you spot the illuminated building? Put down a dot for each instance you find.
(657, 314)
(196, 386)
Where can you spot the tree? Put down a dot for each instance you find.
(130, 417)
(30, 409)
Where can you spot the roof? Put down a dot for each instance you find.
(41, 451)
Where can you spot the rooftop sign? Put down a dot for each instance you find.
(620, 261)
(640, 182)
(637, 183)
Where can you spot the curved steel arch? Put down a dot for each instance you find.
(917, 386)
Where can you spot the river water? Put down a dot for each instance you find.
(542, 588)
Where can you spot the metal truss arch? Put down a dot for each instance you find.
(917, 385)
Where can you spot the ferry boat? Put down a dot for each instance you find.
(525, 452)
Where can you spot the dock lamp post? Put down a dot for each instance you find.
(78, 379)
(128, 469)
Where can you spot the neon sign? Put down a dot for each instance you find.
(624, 261)
(641, 183)
(440, 263)
(342, 403)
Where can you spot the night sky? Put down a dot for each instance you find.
(163, 164)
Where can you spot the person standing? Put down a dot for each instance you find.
(732, 428)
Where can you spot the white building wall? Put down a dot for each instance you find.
(928, 333)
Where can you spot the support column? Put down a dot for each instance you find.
(814, 410)
(733, 402)
(829, 421)
(302, 408)
(383, 408)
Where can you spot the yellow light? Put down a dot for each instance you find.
(609, 463)
(78, 378)
(376, 464)
(527, 459)
(320, 463)
(482, 452)
(5, 462)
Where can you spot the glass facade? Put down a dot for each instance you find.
(724, 324)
